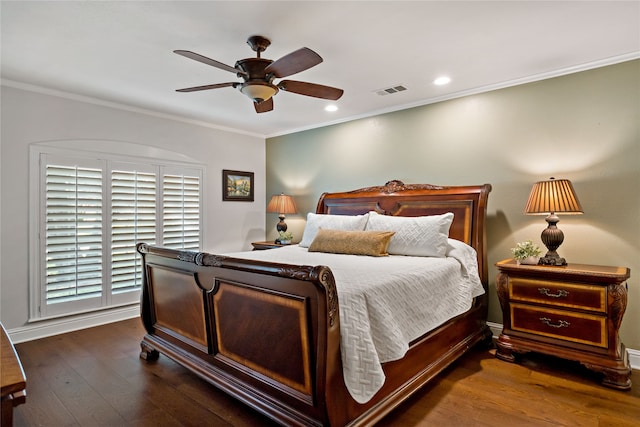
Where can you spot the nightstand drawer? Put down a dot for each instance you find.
(565, 325)
(580, 296)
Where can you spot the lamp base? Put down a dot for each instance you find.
(552, 259)
(281, 226)
(552, 237)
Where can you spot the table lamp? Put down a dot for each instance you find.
(281, 204)
(552, 197)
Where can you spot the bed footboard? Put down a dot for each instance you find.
(267, 334)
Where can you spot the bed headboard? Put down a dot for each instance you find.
(468, 204)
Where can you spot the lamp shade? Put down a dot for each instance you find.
(553, 196)
(282, 204)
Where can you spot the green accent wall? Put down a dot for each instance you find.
(584, 127)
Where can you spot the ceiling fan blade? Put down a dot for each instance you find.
(206, 87)
(311, 89)
(264, 106)
(209, 61)
(300, 60)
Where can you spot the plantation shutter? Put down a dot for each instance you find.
(181, 211)
(73, 233)
(133, 220)
(92, 212)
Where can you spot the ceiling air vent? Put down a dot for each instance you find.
(390, 90)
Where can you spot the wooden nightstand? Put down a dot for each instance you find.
(260, 246)
(12, 377)
(571, 311)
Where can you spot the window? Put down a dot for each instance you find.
(181, 212)
(73, 223)
(133, 220)
(93, 213)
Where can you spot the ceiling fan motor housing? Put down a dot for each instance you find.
(258, 85)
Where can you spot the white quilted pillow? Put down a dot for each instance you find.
(415, 236)
(333, 222)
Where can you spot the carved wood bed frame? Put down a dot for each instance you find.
(268, 334)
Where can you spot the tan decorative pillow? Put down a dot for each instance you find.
(373, 243)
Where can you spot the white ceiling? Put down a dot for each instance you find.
(122, 51)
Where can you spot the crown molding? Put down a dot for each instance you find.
(119, 106)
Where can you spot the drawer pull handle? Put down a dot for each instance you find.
(547, 292)
(560, 324)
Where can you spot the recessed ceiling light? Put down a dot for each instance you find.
(331, 107)
(441, 81)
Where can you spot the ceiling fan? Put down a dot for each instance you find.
(258, 75)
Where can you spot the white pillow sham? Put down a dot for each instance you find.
(415, 236)
(333, 222)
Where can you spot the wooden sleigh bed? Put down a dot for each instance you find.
(268, 333)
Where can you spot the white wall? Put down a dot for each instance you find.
(37, 116)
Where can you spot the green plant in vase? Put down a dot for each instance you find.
(284, 237)
(526, 252)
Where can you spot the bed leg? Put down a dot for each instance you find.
(148, 353)
(487, 338)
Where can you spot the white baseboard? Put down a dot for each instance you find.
(496, 329)
(634, 355)
(634, 358)
(47, 328)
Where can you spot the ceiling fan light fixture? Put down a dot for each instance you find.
(258, 91)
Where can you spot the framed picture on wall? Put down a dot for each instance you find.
(237, 186)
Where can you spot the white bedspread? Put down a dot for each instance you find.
(386, 302)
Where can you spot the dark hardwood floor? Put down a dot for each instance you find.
(94, 377)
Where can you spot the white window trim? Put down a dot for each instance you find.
(36, 182)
